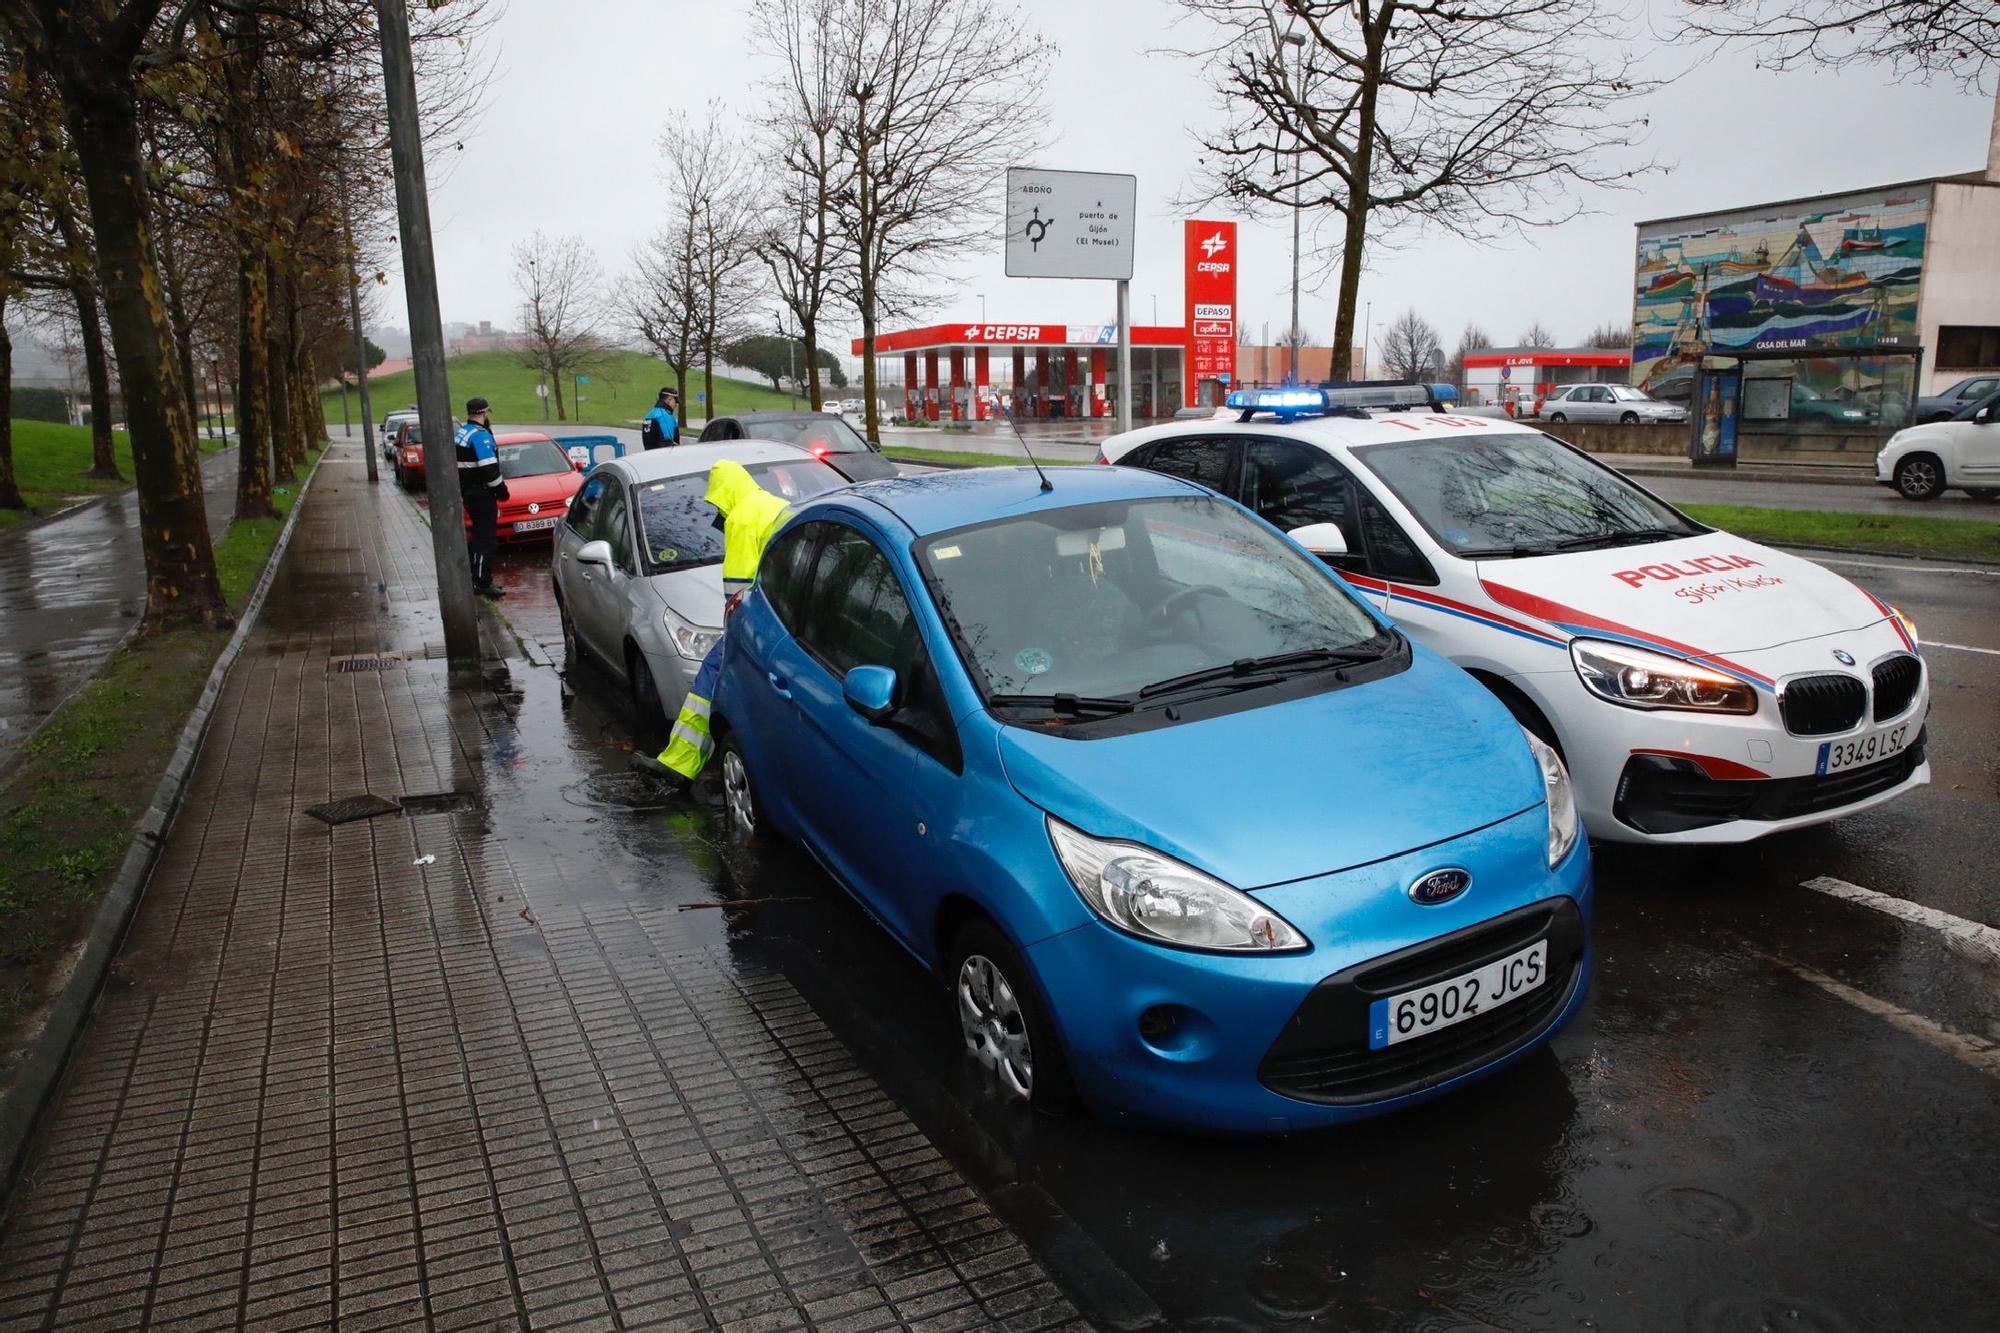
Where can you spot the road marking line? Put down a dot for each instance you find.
(1974, 939)
(1977, 1052)
(1908, 567)
(1961, 647)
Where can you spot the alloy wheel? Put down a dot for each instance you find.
(736, 793)
(1918, 478)
(995, 1028)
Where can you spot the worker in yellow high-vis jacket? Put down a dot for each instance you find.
(751, 516)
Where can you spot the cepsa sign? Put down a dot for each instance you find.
(1210, 284)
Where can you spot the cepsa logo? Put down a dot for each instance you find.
(1685, 569)
(1006, 333)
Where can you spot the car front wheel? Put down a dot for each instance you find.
(573, 653)
(1628, 419)
(645, 693)
(1920, 477)
(1001, 1021)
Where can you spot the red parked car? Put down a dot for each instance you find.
(541, 481)
(407, 450)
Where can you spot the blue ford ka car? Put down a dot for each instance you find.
(1186, 829)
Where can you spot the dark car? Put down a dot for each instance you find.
(822, 434)
(1947, 403)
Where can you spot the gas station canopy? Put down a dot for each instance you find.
(1071, 375)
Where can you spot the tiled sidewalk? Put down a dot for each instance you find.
(503, 1088)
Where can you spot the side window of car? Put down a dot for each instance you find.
(1978, 389)
(1391, 553)
(1290, 485)
(584, 507)
(862, 618)
(1202, 460)
(612, 528)
(785, 573)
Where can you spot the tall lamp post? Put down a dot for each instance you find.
(1294, 38)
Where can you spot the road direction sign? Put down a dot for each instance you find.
(541, 391)
(1070, 224)
(583, 379)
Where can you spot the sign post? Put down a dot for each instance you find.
(1077, 224)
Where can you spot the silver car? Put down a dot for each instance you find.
(1610, 402)
(638, 562)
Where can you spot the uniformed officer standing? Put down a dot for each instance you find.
(481, 488)
(662, 425)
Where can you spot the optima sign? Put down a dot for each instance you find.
(1210, 284)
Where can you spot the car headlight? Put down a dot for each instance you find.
(690, 641)
(1151, 895)
(1562, 800)
(1909, 625)
(1638, 678)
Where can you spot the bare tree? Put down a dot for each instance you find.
(661, 298)
(1536, 335)
(1481, 117)
(937, 96)
(1410, 348)
(1610, 335)
(705, 259)
(800, 244)
(1470, 339)
(562, 319)
(1920, 40)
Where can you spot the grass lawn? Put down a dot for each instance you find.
(68, 810)
(621, 390)
(1894, 534)
(961, 458)
(50, 462)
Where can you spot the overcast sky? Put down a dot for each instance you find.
(568, 143)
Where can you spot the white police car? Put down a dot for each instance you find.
(1702, 688)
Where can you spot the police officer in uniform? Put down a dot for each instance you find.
(662, 426)
(481, 488)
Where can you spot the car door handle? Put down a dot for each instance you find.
(778, 685)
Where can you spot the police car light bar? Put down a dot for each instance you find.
(1346, 397)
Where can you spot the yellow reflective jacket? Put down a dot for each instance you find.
(750, 515)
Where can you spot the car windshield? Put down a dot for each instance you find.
(533, 458)
(1499, 496)
(682, 530)
(1114, 604)
(820, 434)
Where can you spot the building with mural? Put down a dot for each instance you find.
(1841, 308)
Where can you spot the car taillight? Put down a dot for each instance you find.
(1100, 457)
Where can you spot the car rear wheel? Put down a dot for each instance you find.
(1920, 477)
(1628, 418)
(1001, 1021)
(1986, 493)
(1557, 416)
(739, 793)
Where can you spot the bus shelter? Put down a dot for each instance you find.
(1046, 371)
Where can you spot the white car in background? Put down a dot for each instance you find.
(1923, 462)
(1619, 403)
(1701, 688)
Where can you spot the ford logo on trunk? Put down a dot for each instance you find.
(1440, 886)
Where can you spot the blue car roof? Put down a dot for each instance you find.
(941, 501)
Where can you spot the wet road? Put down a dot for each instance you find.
(1779, 1110)
(70, 589)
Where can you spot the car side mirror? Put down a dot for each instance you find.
(595, 553)
(870, 691)
(1321, 538)
(1984, 416)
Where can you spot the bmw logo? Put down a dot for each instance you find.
(1440, 886)
(1842, 656)
(534, 509)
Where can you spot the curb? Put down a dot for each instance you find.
(42, 1064)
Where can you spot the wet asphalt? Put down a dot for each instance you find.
(1778, 1110)
(70, 589)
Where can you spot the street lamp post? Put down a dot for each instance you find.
(1296, 39)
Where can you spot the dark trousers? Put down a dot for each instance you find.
(484, 511)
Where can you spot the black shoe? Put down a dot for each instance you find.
(492, 592)
(651, 767)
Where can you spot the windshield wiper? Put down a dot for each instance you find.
(1505, 552)
(1246, 672)
(1630, 537)
(1075, 704)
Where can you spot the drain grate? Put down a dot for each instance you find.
(350, 808)
(440, 802)
(367, 662)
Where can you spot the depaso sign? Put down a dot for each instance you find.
(1210, 284)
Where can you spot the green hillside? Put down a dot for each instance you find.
(620, 391)
(50, 461)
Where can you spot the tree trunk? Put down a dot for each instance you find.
(555, 391)
(100, 104)
(1354, 238)
(276, 391)
(10, 491)
(97, 369)
(810, 337)
(253, 404)
(182, 326)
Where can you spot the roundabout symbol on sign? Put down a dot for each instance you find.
(1037, 229)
